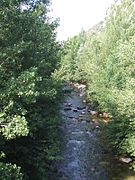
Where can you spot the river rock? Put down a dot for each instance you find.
(75, 110)
(97, 127)
(93, 112)
(70, 117)
(81, 107)
(69, 104)
(105, 115)
(80, 115)
(93, 121)
(82, 86)
(125, 159)
(81, 94)
(67, 108)
(93, 169)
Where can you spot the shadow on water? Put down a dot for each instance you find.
(82, 151)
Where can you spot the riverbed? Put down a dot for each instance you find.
(83, 156)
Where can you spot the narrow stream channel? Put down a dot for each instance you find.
(82, 151)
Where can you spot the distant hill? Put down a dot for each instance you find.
(95, 29)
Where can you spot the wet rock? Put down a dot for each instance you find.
(75, 119)
(70, 117)
(97, 127)
(80, 115)
(69, 104)
(125, 160)
(67, 108)
(75, 110)
(75, 85)
(74, 148)
(82, 118)
(93, 128)
(84, 101)
(81, 86)
(93, 120)
(81, 107)
(81, 94)
(77, 132)
(105, 115)
(74, 142)
(93, 112)
(93, 169)
(89, 133)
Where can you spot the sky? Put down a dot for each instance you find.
(76, 15)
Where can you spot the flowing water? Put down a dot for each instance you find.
(82, 152)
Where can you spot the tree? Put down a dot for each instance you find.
(28, 117)
(106, 62)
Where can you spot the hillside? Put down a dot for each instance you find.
(96, 28)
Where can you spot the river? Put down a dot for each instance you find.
(83, 154)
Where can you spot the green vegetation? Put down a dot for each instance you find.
(29, 93)
(105, 60)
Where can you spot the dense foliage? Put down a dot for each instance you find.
(106, 62)
(28, 91)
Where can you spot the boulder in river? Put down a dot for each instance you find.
(125, 159)
(93, 112)
(81, 107)
(93, 169)
(69, 104)
(97, 127)
(70, 117)
(81, 94)
(84, 101)
(67, 108)
(82, 86)
(80, 116)
(75, 110)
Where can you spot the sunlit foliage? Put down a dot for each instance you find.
(106, 62)
(28, 91)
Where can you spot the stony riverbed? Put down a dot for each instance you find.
(82, 152)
